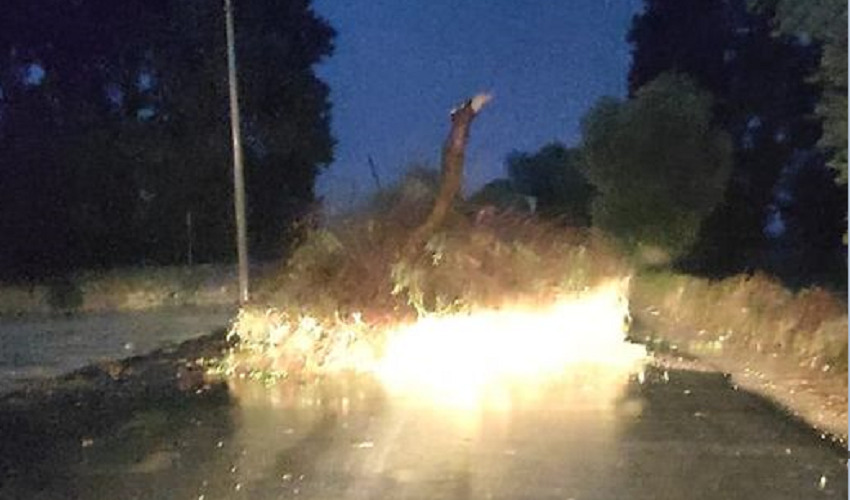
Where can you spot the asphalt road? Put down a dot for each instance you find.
(36, 347)
(664, 435)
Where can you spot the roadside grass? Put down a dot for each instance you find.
(807, 328)
(125, 289)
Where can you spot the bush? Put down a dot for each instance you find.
(553, 177)
(754, 313)
(64, 295)
(350, 280)
(659, 165)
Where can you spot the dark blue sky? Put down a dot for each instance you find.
(401, 65)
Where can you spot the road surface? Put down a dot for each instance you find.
(665, 434)
(36, 347)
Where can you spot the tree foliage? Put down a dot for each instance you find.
(809, 204)
(763, 97)
(500, 194)
(554, 178)
(825, 21)
(125, 133)
(659, 164)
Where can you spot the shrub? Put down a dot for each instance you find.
(659, 165)
(352, 272)
(748, 312)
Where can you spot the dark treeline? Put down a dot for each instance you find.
(766, 97)
(772, 77)
(729, 153)
(115, 133)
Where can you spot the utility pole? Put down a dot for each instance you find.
(190, 239)
(238, 168)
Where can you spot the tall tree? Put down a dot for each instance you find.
(285, 118)
(52, 71)
(114, 127)
(658, 162)
(763, 99)
(822, 22)
(809, 207)
(554, 178)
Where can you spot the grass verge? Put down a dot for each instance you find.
(127, 289)
(790, 346)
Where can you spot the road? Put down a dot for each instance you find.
(665, 434)
(36, 347)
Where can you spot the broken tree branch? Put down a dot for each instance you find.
(451, 175)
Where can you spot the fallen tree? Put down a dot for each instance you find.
(451, 171)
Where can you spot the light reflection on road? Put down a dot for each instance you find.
(592, 433)
(373, 444)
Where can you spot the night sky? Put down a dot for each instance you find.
(400, 66)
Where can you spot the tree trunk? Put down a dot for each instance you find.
(451, 175)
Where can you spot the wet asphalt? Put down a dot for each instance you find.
(665, 434)
(33, 348)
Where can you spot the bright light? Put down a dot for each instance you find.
(456, 359)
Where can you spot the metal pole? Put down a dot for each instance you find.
(189, 239)
(238, 169)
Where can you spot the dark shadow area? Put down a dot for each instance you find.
(697, 436)
(135, 429)
(51, 427)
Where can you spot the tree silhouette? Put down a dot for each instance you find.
(554, 178)
(659, 164)
(763, 97)
(127, 132)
